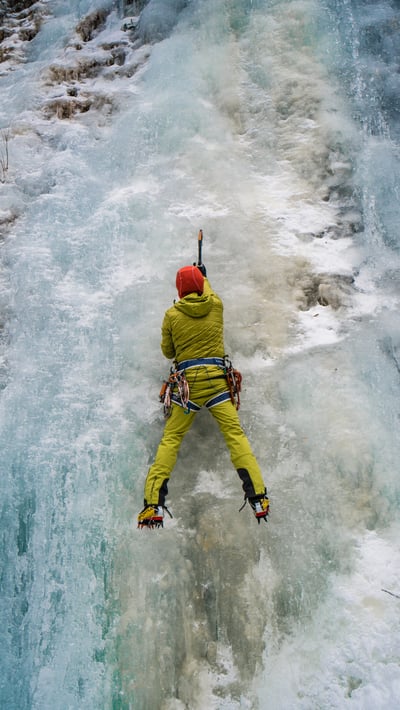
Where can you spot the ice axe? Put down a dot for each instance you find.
(200, 264)
(200, 247)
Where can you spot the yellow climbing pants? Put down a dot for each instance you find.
(207, 388)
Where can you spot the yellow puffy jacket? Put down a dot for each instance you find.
(194, 327)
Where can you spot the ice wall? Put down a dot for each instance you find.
(265, 125)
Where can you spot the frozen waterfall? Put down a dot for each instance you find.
(274, 126)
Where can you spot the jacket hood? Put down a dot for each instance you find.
(194, 305)
(189, 279)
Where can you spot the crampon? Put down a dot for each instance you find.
(259, 506)
(152, 516)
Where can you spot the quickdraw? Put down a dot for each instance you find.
(234, 380)
(176, 379)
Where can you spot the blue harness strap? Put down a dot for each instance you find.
(191, 406)
(197, 362)
(222, 397)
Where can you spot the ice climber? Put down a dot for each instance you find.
(193, 337)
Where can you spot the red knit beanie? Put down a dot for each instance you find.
(189, 279)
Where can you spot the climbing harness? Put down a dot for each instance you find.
(176, 379)
(234, 380)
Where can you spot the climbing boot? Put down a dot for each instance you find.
(260, 507)
(152, 516)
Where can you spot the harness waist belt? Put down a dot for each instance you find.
(187, 364)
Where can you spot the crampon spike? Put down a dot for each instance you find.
(152, 516)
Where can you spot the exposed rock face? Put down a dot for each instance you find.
(325, 289)
(91, 24)
(14, 6)
(20, 22)
(91, 54)
(85, 56)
